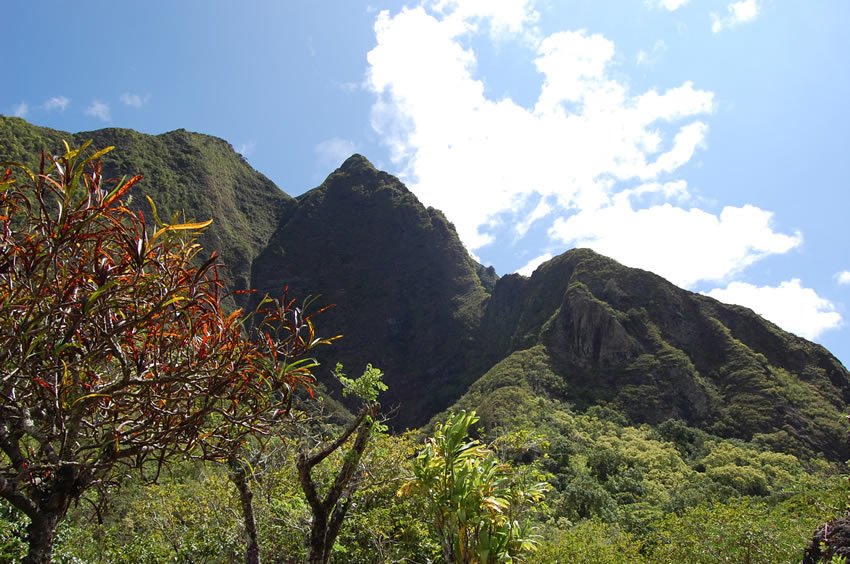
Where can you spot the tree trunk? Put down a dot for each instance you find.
(246, 498)
(65, 485)
(320, 552)
(41, 532)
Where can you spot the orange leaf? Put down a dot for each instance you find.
(120, 190)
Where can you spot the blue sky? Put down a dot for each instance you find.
(705, 140)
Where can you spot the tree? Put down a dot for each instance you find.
(114, 346)
(284, 332)
(329, 509)
(474, 503)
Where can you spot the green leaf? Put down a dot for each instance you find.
(154, 211)
(190, 226)
(96, 294)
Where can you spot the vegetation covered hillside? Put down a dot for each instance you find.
(628, 339)
(647, 493)
(410, 299)
(185, 173)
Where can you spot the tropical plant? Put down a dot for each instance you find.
(474, 504)
(284, 333)
(114, 346)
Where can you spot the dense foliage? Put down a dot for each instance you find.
(114, 346)
(647, 501)
(476, 503)
(617, 493)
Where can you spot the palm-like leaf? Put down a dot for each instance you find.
(471, 494)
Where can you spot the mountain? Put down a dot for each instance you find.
(587, 330)
(583, 330)
(407, 295)
(191, 173)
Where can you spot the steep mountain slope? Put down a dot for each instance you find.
(408, 296)
(630, 339)
(190, 173)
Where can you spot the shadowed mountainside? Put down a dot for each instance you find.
(407, 295)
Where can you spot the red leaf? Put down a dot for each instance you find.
(43, 384)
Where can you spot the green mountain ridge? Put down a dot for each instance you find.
(185, 173)
(582, 330)
(629, 339)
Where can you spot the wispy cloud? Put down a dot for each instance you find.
(790, 305)
(349, 86)
(737, 13)
(332, 152)
(530, 266)
(651, 57)
(505, 18)
(671, 5)
(843, 277)
(540, 211)
(57, 103)
(246, 148)
(21, 110)
(134, 100)
(100, 110)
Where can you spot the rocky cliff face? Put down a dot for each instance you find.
(627, 338)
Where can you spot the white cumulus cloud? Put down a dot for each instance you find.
(737, 13)
(685, 246)
(100, 110)
(591, 157)
(57, 103)
(475, 157)
(790, 305)
(843, 277)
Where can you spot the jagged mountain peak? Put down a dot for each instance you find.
(407, 293)
(628, 338)
(356, 177)
(356, 163)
